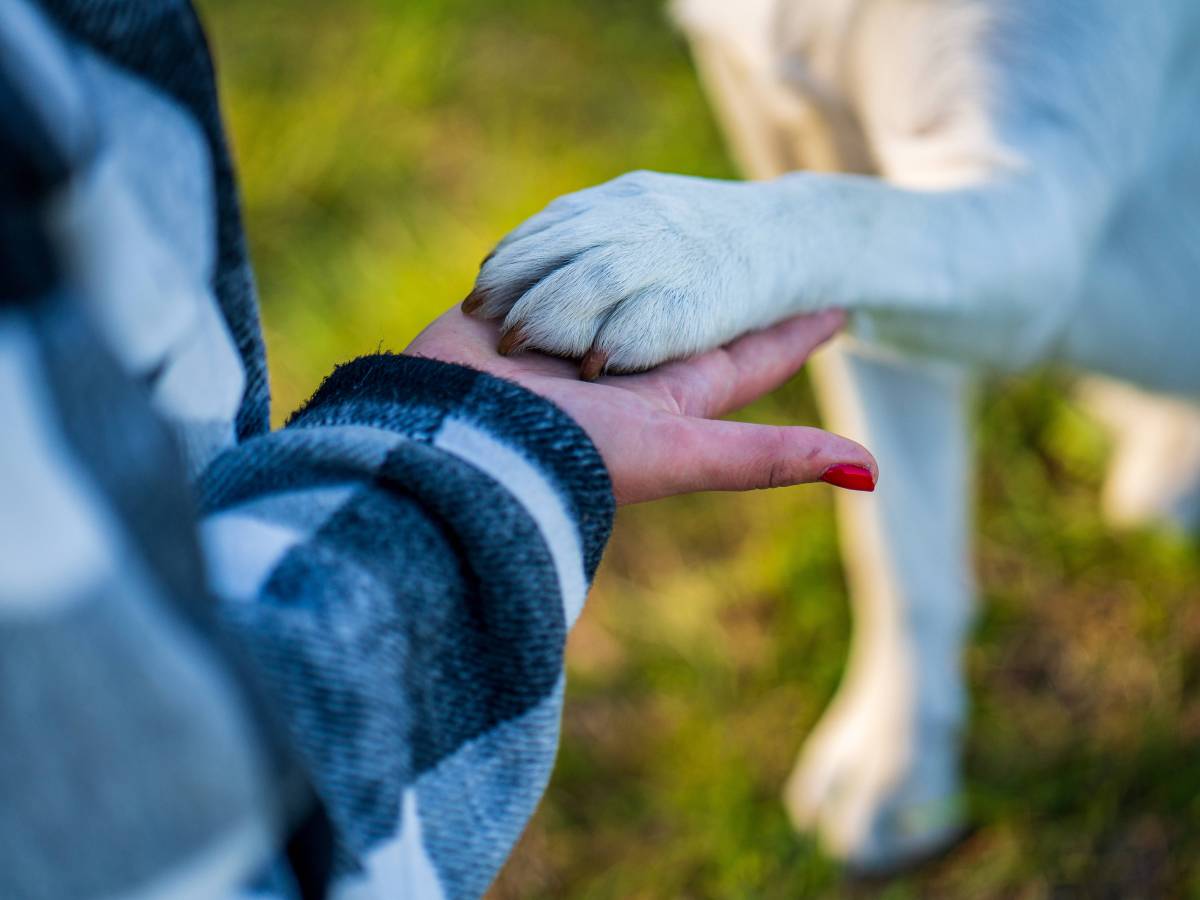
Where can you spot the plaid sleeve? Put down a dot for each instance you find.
(137, 756)
(367, 621)
(404, 560)
(137, 753)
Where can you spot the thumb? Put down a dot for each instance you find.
(739, 456)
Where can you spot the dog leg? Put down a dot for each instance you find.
(878, 780)
(1154, 475)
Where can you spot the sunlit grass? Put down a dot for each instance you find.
(384, 147)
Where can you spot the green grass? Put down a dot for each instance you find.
(384, 147)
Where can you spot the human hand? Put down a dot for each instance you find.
(655, 430)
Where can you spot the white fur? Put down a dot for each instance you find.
(991, 184)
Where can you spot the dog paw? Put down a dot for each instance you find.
(624, 276)
(880, 794)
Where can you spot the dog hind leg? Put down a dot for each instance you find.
(878, 780)
(1154, 474)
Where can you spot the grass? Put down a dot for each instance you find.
(384, 147)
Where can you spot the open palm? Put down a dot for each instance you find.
(656, 431)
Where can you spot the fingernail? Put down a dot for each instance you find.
(593, 364)
(474, 300)
(512, 341)
(854, 478)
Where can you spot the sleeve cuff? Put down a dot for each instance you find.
(493, 424)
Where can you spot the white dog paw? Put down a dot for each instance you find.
(627, 275)
(878, 795)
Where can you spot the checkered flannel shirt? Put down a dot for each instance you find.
(236, 661)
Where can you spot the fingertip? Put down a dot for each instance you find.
(853, 459)
(830, 321)
(833, 459)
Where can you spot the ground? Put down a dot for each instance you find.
(384, 147)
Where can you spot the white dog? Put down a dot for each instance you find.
(992, 184)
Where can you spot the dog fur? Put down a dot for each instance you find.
(984, 185)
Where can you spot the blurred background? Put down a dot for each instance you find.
(383, 148)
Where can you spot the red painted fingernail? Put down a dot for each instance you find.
(854, 478)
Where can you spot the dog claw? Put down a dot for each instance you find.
(512, 341)
(474, 301)
(592, 366)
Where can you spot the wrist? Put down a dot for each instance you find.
(426, 399)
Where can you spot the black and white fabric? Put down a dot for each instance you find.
(237, 662)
